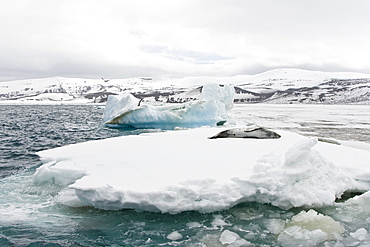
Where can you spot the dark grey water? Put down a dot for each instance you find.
(29, 216)
(26, 129)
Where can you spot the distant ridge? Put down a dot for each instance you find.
(273, 86)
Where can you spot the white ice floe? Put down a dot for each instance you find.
(211, 109)
(182, 170)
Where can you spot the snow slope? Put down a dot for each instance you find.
(302, 86)
(92, 90)
(281, 79)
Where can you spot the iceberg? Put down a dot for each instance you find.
(211, 109)
(182, 170)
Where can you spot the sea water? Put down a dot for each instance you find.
(29, 216)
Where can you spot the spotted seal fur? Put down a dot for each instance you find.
(256, 133)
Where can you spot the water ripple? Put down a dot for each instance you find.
(26, 129)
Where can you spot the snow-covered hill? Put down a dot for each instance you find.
(78, 89)
(302, 86)
(274, 86)
(294, 86)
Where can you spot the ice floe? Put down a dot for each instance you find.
(183, 170)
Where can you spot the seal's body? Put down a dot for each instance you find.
(256, 133)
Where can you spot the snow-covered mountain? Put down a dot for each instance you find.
(273, 86)
(80, 90)
(302, 86)
(291, 86)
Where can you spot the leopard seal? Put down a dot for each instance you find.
(254, 132)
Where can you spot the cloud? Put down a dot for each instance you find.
(182, 54)
(180, 38)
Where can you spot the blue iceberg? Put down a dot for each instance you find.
(210, 110)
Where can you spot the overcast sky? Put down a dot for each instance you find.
(168, 38)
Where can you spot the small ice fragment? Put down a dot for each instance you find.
(193, 224)
(218, 221)
(232, 239)
(275, 226)
(228, 237)
(174, 236)
(310, 228)
(360, 234)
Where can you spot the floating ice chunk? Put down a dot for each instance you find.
(309, 229)
(211, 240)
(360, 234)
(174, 236)
(60, 173)
(194, 225)
(228, 237)
(297, 236)
(275, 226)
(311, 220)
(219, 222)
(232, 239)
(211, 109)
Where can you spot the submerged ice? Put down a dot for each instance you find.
(183, 170)
(211, 109)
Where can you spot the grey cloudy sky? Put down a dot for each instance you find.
(167, 38)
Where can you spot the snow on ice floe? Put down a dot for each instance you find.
(211, 109)
(183, 170)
